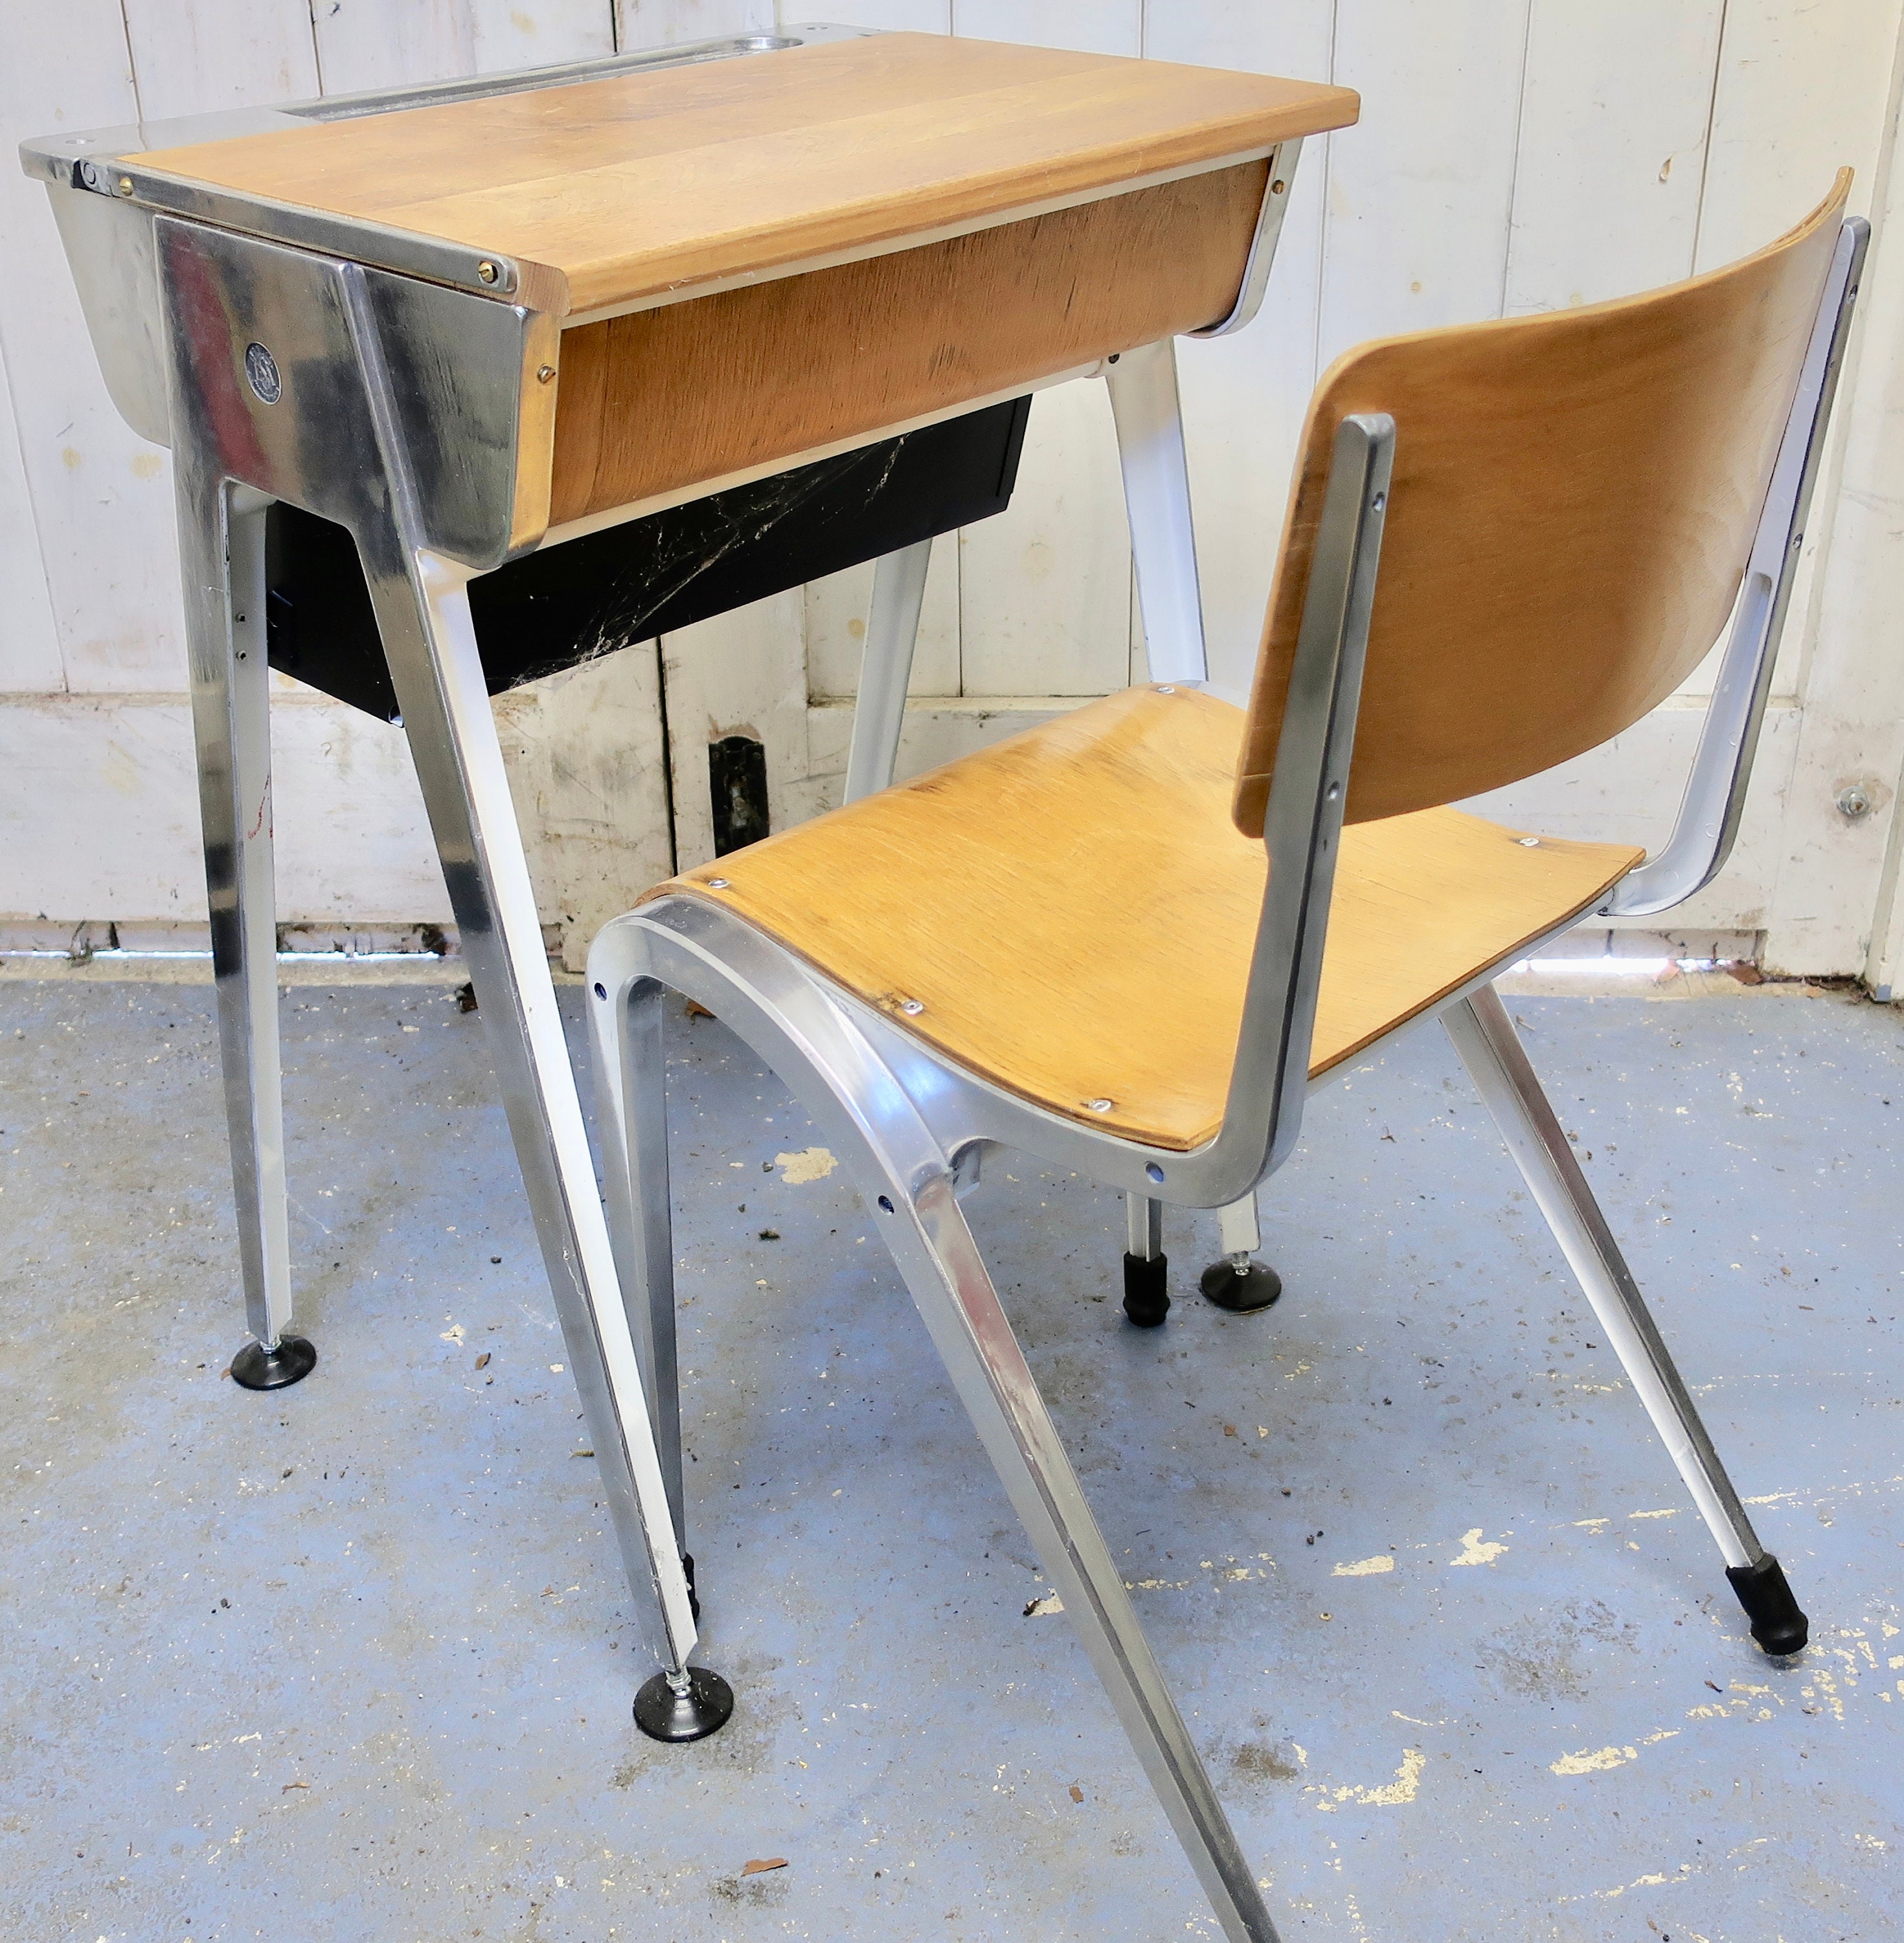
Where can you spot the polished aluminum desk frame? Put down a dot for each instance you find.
(382, 381)
(913, 1129)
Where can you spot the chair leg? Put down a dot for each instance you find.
(1147, 1268)
(1239, 1283)
(221, 539)
(935, 1252)
(863, 1113)
(885, 668)
(631, 1069)
(1490, 1048)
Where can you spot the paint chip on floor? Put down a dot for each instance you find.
(1360, 1568)
(809, 1164)
(1473, 1552)
(1593, 1762)
(1038, 1608)
(1403, 1789)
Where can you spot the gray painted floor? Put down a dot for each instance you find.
(353, 1662)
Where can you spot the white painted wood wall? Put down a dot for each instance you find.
(1513, 155)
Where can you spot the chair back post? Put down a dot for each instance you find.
(1709, 813)
(1303, 827)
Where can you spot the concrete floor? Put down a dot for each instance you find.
(353, 1662)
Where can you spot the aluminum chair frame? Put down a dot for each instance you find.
(912, 1128)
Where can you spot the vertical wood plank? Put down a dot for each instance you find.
(1045, 586)
(101, 497)
(1802, 91)
(1417, 199)
(889, 17)
(1612, 152)
(220, 53)
(741, 673)
(30, 642)
(1045, 594)
(1830, 912)
(368, 44)
(509, 33)
(1244, 397)
(667, 23)
(1088, 26)
(836, 609)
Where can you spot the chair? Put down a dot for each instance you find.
(1074, 943)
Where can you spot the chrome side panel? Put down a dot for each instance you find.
(110, 248)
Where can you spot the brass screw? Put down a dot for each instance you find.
(1277, 187)
(487, 271)
(545, 374)
(125, 185)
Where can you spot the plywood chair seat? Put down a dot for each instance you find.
(1072, 911)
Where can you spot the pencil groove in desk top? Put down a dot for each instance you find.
(621, 189)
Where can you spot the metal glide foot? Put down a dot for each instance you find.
(1239, 1284)
(683, 1707)
(255, 1368)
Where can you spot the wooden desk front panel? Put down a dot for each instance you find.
(663, 399)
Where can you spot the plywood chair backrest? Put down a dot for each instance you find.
(1573, 501)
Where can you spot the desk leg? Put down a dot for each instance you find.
(423, 609)
(886, 669)
(222, 546)
(1143, 385)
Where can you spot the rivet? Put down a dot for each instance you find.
(1101, 1106)
(487, 271)
(1164, 687)
(1378, 502)
(912, 1008)
(717, 883)
(1528, 842)
(1277, 187)
(545, 374)
(1113, 357)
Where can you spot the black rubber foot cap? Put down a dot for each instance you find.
(1240, 1290)
(255, 1368)
(662, 1714)
(1777, 1623)
(1147, 1290)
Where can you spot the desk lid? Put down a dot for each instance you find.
(647, 185)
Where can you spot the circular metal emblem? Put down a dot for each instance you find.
(262, 368)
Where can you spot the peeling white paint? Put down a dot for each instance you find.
(1594, 1761)
(1362, 1568)
(1474, 1552)
(1401, 1789)
(809, 1164)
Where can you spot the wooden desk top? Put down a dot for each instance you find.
(612, 194)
